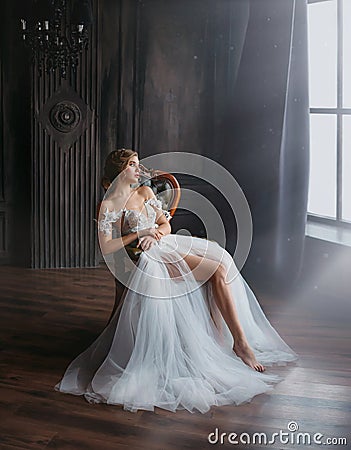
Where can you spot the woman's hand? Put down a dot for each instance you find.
(146, 242)
(153, 232)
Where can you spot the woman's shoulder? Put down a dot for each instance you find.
(108, 209)
(146, 192)
(106, 204)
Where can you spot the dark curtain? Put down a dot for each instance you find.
(267, 138)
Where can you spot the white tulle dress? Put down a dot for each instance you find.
(168, 345)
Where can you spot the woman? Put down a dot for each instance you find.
(184, 337)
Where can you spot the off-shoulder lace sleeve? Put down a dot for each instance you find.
(105, 224)
(156, 203)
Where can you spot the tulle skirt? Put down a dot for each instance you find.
(168, 346)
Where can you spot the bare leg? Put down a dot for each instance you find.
(207, 269)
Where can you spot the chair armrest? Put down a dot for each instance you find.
(133, 251)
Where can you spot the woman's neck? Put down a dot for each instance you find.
(122, 189)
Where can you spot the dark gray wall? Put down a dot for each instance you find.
(193, 75)
(15, 142)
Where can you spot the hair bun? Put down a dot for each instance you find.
(117, 161)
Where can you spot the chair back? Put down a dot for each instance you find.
(166, 188)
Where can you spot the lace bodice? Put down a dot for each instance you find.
(133, 220)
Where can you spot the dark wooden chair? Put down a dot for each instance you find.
(167, 189)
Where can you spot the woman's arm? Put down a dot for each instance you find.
(108, 216)
(164, 226)
(109, 245)
(155, 234)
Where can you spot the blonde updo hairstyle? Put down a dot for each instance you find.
(115, 163)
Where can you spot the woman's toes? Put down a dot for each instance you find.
(261, 368)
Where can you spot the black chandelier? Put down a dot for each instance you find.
(57, 32)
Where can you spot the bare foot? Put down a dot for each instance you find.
(244, 352)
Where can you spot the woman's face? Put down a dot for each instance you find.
(132, 170)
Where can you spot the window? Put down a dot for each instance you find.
(329, 38)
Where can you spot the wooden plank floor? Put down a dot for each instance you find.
(49, 316)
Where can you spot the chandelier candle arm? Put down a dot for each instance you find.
(58, 37)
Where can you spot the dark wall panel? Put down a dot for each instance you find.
(175, 76)
(175, 57)
(2, 158)
(4, 238)
(15, 141)
(66, 163)
(168, 73)
(110, 38)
